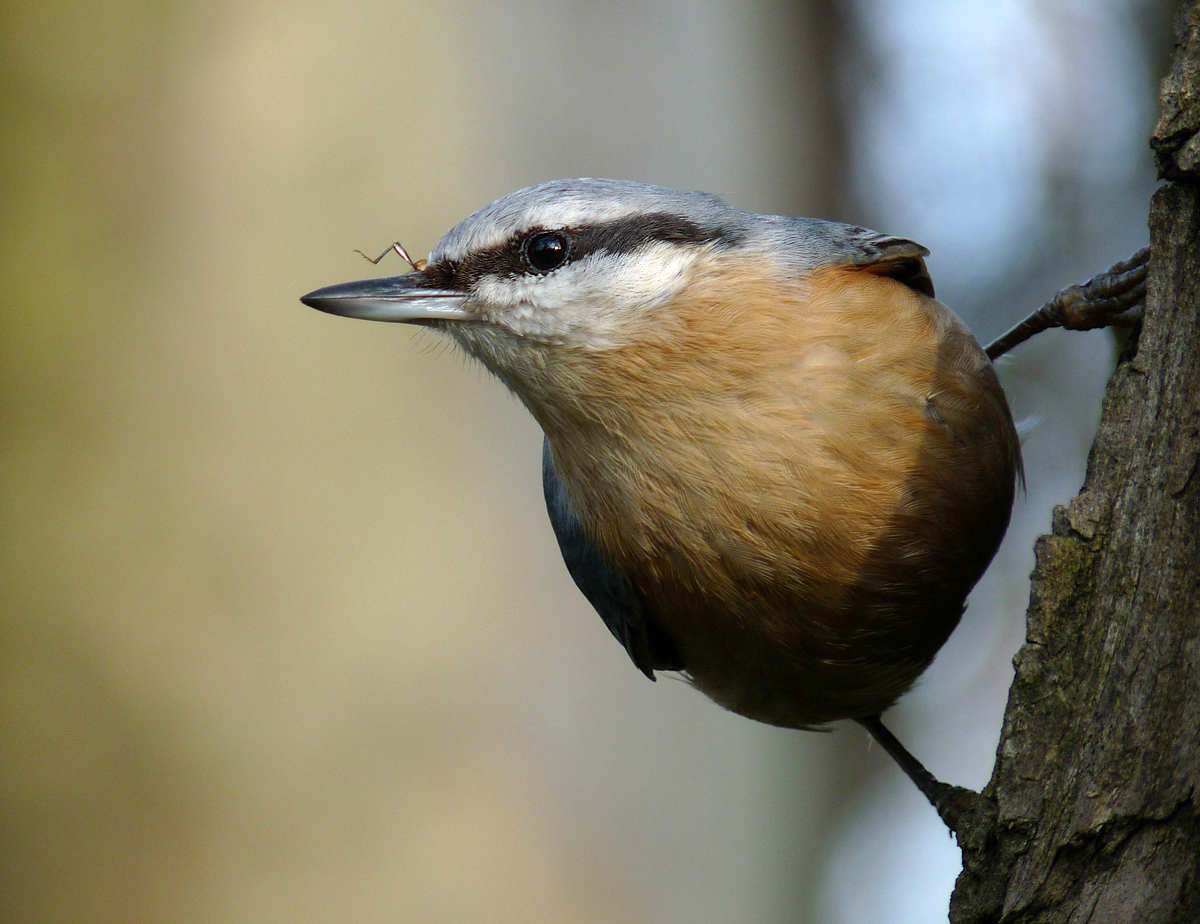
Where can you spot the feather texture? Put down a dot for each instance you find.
(604, 585)
(803, 480)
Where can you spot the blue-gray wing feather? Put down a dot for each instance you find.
(604, 585)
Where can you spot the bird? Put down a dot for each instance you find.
(774, 462)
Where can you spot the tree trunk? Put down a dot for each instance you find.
(1091, 812)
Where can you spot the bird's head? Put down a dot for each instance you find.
(565, 266)
(576, 290)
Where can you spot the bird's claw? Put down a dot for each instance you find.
(953, 803)
(1112, 299)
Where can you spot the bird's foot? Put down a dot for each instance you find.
(952, 803)
(1111, 299)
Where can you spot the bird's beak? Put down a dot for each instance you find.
(406, 298)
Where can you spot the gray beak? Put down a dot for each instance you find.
(406, 298)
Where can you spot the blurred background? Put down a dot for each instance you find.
(284, 632)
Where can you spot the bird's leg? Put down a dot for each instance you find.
(951, 802)
(1112, 299)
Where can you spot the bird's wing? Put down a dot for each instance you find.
(897, 257)
(605, 586)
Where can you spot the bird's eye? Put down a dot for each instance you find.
(547, 250)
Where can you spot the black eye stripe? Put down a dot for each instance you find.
(623, 235)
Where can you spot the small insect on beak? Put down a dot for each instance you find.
(402, 299)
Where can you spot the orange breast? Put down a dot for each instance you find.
(804, 481)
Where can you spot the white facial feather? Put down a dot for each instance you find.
(587, 303)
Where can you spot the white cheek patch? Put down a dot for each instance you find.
(590, 302)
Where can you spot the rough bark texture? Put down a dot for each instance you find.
(1092, 812)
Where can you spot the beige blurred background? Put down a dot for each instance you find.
(284, 632)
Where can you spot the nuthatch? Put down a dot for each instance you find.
(773, 461)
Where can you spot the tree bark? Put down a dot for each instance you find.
(1091, 812)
